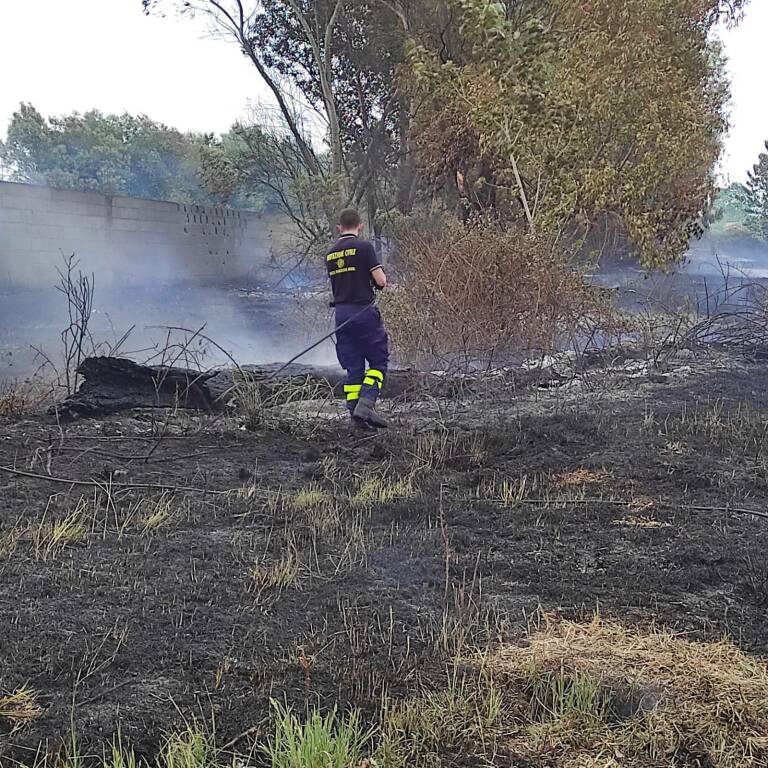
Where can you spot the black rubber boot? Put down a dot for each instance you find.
(358, 425)
(365, 412)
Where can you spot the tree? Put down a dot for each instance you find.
(257, 168)
(555, 114)
(111, 154)
(754, 197)
(565, 113)
(331, 66)
(727, 214)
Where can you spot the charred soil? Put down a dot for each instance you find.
(325, 566)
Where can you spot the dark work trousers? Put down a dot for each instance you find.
(362, 347)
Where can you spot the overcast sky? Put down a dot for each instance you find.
(83, 54)
(65, 55)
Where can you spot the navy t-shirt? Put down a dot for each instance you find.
(350, 262)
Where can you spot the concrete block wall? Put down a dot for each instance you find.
(129, 241)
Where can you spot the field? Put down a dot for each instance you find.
(533, 578)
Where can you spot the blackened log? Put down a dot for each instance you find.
(113, 385)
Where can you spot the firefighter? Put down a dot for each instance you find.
(362, 344)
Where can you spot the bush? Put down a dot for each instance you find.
(471, 295)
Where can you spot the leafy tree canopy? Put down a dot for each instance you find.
(563, 113)
(111, 154)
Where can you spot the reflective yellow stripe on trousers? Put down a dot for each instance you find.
(374, 377)
(353, 391)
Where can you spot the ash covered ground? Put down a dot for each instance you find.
(320, 566)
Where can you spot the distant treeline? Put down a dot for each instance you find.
(126, 155)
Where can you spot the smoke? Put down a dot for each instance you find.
(154, 272)
(253, 325)
(155, 265)
(711, 276)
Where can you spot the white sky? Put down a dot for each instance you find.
(747, 52)
(66, 55)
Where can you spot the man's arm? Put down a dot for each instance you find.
(375, 269)
(379, 278)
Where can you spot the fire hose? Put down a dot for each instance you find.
(318, 342)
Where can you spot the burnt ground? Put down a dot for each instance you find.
(345, 567)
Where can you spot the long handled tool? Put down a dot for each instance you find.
(317, 343)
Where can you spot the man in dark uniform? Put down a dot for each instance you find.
(362, 344)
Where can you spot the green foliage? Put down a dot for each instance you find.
(320, 742)
(248, 167)
(468, 715)
(189, 749)
(368, 46)
(332, 67)
(111, 154)
(264, 169)
(556, 114)
(562, 695)
(119, 756)
(754, 197)
(728, 215)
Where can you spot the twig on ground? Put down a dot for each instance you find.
(244, 735)
(119, 486)
(119, 438)
(145, 458)
(624, 503)
(99, 696)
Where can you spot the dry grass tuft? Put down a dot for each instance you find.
(21, 707)
(384, 488)
(579, 477)
(729, 430)
(637, 698)
(432, 451)
(310, 498)
(279, 574)
(10, 539)
(19, 400)
(509, 492)
(155, 514)
(50, 537)
(641, 503)
(640, 521)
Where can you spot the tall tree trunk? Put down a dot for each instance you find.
(322, 52)
(373, 224)
(406, 171)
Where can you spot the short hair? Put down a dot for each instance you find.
(349, 218)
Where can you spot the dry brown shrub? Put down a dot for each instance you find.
(472, 295)
(18, 400)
